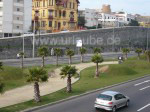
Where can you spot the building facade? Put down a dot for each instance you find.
(14, 19)
(54, 15)
(105, 18)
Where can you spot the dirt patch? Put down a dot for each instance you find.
(104, 69)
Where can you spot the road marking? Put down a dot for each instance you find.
(143, 107)
(142, 83)
(144, 88)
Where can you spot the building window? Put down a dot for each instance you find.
(43, 13)
(43, 24)
(50, 23)
(18, 27)
(55, 24)
(18, 9)
(64, 13)
(55, 13)
(60, 13)
(18, 1)
(70, 5)
(18, 18)
(44, 3)
(64, 23)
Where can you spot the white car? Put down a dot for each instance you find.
(111, 100)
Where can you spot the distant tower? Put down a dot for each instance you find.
(106, 9)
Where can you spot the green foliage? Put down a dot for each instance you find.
(125, 50)
(57, 52)
(97, 50)
(134, 23)
(97, 58)
(70, 52)
(43, 51)
(148, 55)
(21, 54)
(83, 50)
(138, 51)
(37, 75)
(128, 70)
(12, 77)
(1, 66)
(81, 21)
(68, 71)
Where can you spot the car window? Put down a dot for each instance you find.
(119, 96)
(105, 97)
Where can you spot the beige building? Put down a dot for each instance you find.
(55, 15)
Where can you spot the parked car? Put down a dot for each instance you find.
(111, 100)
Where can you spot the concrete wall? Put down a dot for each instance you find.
(112, 39)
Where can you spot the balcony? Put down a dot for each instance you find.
(50, 17)
(36, 18)
(71, 19)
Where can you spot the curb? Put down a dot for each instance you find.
(76, 96)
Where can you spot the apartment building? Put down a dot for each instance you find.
(55, 15)
(15, 17)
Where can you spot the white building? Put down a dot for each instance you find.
(94, 17)
(124, 18)
(91, 17)
(106, 18)
(15, 17)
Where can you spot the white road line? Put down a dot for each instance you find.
(143, 107)
(142, 83)
(144, 88)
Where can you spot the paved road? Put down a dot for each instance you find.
(62, 60)
(138, 91)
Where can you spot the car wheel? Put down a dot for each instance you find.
(127, 103)
(114, 109)
(96, 108)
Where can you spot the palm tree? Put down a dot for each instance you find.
(1, 88)
(97, 58)
(58, 53)
(35, 76)
(148, 55)
(43, 51)
(21, 54)
(82, 52)
(69, 72)
(125, 52)
(97, 50)
(70, 53)
(138, 51)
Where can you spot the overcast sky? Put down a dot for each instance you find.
(131, 6)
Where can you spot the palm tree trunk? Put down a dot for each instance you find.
(97, 73)
(70, 60)
(43, 61)
(36, 92)
(57, 60)
(22, 62)
(69, 88)
(126, 56)
(138, 56)
(81, 58)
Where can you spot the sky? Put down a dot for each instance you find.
(130, 6)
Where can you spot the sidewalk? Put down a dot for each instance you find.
(54, 84)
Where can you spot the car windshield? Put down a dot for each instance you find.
(105, 97)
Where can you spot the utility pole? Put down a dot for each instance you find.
(33, 55)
